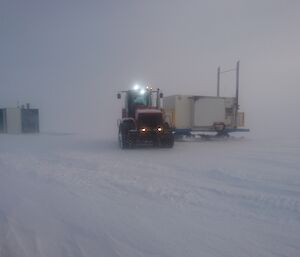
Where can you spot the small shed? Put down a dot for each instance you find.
(19, 120)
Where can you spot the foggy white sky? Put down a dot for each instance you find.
(69, 58)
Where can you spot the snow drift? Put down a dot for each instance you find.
(71, 195)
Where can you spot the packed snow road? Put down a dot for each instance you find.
(71, 195)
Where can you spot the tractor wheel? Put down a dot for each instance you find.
(130, 138)
(123, 137)
(168, 142)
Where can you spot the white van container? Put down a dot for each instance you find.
(200, 112)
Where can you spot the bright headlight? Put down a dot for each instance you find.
(159, 129)
(136, 87)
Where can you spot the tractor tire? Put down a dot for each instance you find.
(168, 142)
(126, 139)
(130, 138)
(123, 137)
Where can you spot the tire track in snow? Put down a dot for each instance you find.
(157, 182)
(260, 197)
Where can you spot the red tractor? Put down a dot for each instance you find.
(142, 120)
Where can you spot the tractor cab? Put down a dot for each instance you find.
(137, 100)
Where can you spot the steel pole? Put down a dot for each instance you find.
(218, 81)
(237, 83)
(237, 91)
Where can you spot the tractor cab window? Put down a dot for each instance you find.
(141, 100)
(136, 99)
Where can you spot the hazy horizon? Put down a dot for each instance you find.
(69, 58)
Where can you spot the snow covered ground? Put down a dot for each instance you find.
(72, 195)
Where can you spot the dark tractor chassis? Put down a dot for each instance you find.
(130, 136)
